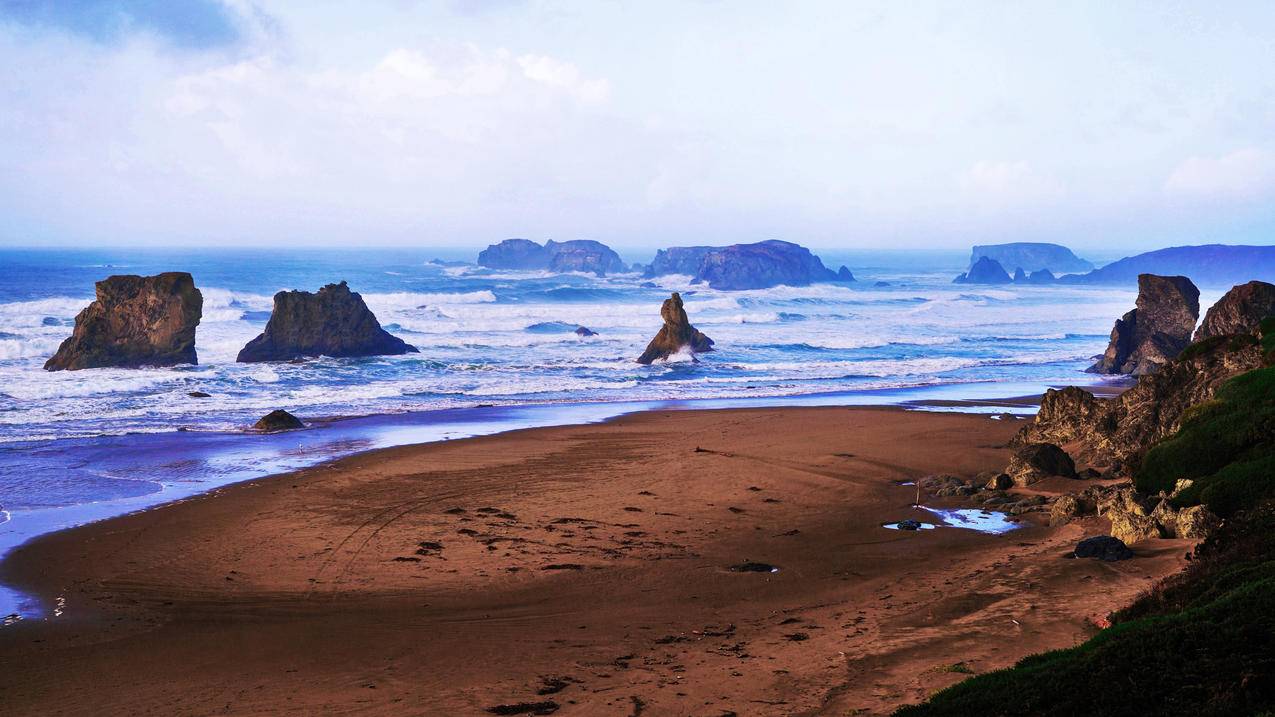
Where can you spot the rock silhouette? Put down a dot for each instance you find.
(278, 420)
(1239, 311)
(332, 322)
(1155, 332)
(676, 334)
(135, 321)
(985, 271)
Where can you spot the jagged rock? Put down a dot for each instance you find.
(135, 321)
(985, 271)
(946, 486)
(278, 420)
(1103, 547)
(1239, 311)
(1156, 331)
(844, 274)
(1037, 461)
(1042, 277)
(1120, 500)
(676, 334)
(1063, 510)
(332, 322)
(1131, 527)
(1120, 430)
(1032, 256)
(1166, 517)
(678, 260)
(1000, 481)
(1020, 276)
(578, 255)
(1196, 523)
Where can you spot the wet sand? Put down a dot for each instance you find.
(582, 567)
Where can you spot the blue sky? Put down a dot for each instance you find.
(834, 124)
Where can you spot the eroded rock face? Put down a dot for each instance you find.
(1239, 311)
(1063, 510)
(1037, 461)
(1155, 332)
(135, 321)
(577, 255)
(985, 271)
(676, 334)
(332, 322)
(1118, 431)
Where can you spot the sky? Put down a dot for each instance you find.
(838, 125)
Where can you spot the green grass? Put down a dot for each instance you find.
(1226, 446)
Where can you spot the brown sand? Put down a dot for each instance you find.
(585, 565)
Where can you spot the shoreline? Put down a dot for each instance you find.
(216, 459)
(648, 509)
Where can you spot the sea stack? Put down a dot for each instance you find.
(332, 322)
(135, 321)
(676, 334)
(1240, 311)
(985, 271)
(1156, 331)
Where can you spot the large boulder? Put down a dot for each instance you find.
(1102, 547)
(278, 420)
(1155, 332)
(332, 322)
(578, 255)
(1037, 461)
(1064, 509)
(985, 271)
(1032, 257)
(1239, 311)
(135, 321)
(676, 334)
(1118, 431)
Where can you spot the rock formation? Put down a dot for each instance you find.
(1156, 331)
(278, 420)
(1104, 548)
(1041, 277)
(676, 334)
(985, 271)
(746, 266)
(1239, 311)
(1119, 431)
(1037, 461)
(1032, 257)
(579, 255)
(135, 321)
(1209, 265)
(332, 322)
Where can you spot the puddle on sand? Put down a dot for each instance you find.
(984, 521)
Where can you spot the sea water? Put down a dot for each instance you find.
(497, 350)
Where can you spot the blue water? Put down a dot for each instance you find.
(498, 351)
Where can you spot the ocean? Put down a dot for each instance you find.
(497, 350)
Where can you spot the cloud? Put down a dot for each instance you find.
(195, 24)
(1245, 174)
(1005, 184)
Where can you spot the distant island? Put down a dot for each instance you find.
(1207, 265)
(577, 255)
(1032, 257)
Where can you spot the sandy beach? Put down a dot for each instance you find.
(585, 568)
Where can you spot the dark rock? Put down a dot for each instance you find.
(1020, 276)
(578, 255)
(676, 334)
(844, 274)
(135, 321)
(1037, 461)
(1032, 256)
(1042, 277)
(582, 331)
(1103, 547)
(908, 524)
(1156, 331)
(985, 271)
(746, 266)
(278, 420)
(1239, 311)
(51, 321)
(1118, 431)
(547, 707)
(753, 567)
(199, 394)
(881, 284)
(333, 322)
(1208, 265)
(1000, 481)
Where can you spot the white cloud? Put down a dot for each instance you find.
(1004, 184)
(1244, 174)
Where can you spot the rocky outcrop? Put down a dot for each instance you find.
(1032, 257)
(332, 322)
(1209, 265)
(278, 420)
(1064, 509)
(985, 271)
(1155, 332)
(583, 255)
(1104, 548)
(676, 334)
(135, 321)
(1038, 461)
(1239, 311)
(746, 266)
(1041, 277)
(1117, 432)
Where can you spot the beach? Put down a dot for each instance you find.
(585, 567)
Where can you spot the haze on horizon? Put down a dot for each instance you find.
(836, 125)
